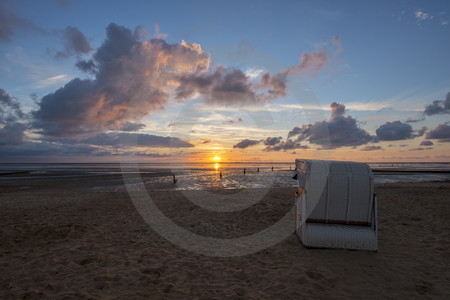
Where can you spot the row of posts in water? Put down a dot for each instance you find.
(220, 173)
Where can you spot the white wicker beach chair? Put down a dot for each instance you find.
(338, 208)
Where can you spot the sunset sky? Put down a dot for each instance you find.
(185, 81)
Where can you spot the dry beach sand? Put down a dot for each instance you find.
(61, 239)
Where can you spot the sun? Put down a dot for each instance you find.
(216, 158)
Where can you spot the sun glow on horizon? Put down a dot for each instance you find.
(216, 158)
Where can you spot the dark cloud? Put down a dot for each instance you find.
(441, 133)
(409, 120)
(230, 87)
(394, 131)
(438, 107)
(426, 143)
(420, 149)
(87, 66)
(10, 110)
(146, 154)
(271, 141)
(11, 115)
(371, 148)
(75, 43)
(420, 132)
(285, 145)
(246, 143)
(295, 131)
(121, 139)
(36, 151)
(338, 131)
(130, 126)
(131, 81)
(46, 149)
(205, 141)
(12, 134)
(135, 139)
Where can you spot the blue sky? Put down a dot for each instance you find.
(385, 61)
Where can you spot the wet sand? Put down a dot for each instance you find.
(61, 238)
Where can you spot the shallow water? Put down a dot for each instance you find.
(207, 176)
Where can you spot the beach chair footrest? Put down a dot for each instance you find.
(340, 236)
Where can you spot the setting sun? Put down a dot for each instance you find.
(216, 158)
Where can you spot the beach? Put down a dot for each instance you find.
(60, 238)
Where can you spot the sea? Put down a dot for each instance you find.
(201, 176)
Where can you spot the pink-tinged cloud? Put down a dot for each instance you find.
(134, 78)
(313, 62)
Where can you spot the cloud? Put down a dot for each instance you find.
(438, 107)
(246, 143)
(158, 34)
(420, 132)
(11, 23)
(130, 126)
(75, 43)
(10, 110)
(284, 145)
(131, 81)
(135, 139)
(315, 61)
(420, 149)
(410, 120)
(441, 133)
(338, 131)
(45, 149)
(205, 141)
(426, 143)
(87, 66)
(147, 154)
(254, 72)
(133, 78)
(271, 141)
(57, 80)
(12, 131)
(12, 134)
(231, 87)
(371, 148)
(234, 87)
(394, 131)
(422, 15)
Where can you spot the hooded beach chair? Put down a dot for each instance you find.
(336, 206)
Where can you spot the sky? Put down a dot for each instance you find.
(246, 81)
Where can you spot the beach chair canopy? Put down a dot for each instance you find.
(338, 208)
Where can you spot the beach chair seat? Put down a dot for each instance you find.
(338, 208)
